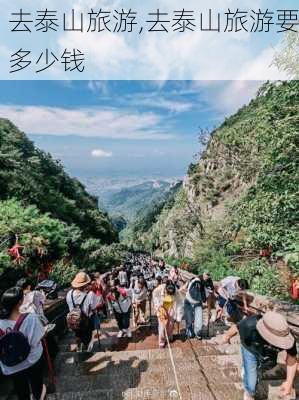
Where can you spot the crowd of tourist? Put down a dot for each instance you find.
(141, 288)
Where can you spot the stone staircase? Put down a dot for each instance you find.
(135, 369)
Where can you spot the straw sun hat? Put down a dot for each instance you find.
(274, 328)
(81, 280)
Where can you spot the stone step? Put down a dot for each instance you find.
(118, 366)
(106, 367)
(199, 391)
(93, 363)
(187, 353)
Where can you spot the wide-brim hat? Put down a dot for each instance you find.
(274, 328)
(80, 280)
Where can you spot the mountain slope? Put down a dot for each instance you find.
(58, 225)
(147, 216)
(32, 176)
(129, 201)
(241, 198)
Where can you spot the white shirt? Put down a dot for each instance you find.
(33, 329)
(123, 303)
(123, 277)
(34, 303)
(229, 284)
(139, 295)
(90, 304)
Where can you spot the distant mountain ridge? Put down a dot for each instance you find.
(129, 201)
(124, 199)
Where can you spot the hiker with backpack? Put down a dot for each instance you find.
(262, 338)
(228, 291)
(169, 307)
(21, 350)
(193, 307)
(120, 300)
(82, 303)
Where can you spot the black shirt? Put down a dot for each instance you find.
(253, 341)
(208, 284)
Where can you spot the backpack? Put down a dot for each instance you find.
(266, 357)
(14, 345)
(76, 319)
(195, 293)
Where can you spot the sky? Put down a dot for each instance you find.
(121, 129)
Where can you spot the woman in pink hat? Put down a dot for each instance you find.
(262, 338)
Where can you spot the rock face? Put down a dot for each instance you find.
(243, 164)
(211, 183)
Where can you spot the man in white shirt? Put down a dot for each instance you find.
(123, 277)
(228, 290)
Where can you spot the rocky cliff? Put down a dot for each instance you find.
(240, 197)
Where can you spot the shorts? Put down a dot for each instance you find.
(231, 305)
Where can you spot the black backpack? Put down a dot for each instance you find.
(196, 291)
(14, 345)
(266, 356)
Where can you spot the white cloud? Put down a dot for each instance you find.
(236, 94)
(170, 105)
(160, 56)
(100, 153)
(88, 122)
(226, 97)
(157, 101)
(99, 86)
(262, 67)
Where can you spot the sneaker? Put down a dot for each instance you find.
(129, 333)
(162, 345)
(198, 337)
(120, 334)
(190, 334)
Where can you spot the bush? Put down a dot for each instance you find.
(63, 273)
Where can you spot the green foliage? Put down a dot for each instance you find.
(57, 221)
(218, 264)
(287, 58)
(242, 196)
(107, 256)
(32, 176)
(264, 279)
(63, 273)
(181, 262)
(42, 237)
(137, 234)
